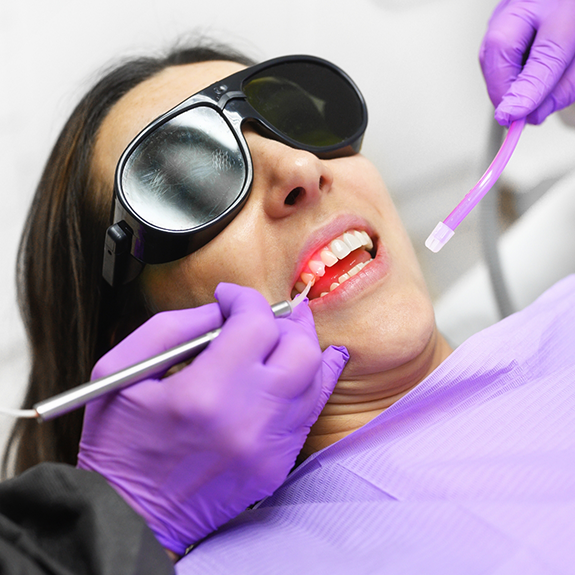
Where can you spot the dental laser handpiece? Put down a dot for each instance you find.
(79, 396)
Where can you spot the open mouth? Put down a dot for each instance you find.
(333, 264)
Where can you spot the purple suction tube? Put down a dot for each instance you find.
(444, 230)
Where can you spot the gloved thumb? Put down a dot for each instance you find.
(334, 359)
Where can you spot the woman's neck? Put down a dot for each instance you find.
(357, 400)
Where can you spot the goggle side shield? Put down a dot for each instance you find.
(185, 176)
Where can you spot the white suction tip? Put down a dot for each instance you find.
(439, 237)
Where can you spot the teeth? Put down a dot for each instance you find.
(346, 276)
(352, 241)
(306, 278)
(340, 249)
(328, 257)
(366, 240)
(337, 249)
(353, 271)
(299, 286)
(317, 268)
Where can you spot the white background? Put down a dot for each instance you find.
(415, 60)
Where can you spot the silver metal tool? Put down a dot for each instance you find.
(79, 396)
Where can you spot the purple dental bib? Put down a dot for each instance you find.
(471, 472)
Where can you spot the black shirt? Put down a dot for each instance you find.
(64, 521)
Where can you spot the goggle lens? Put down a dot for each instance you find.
(185, 173)
(309, 103)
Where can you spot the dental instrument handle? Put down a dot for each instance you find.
(444, 230)
(79, 396)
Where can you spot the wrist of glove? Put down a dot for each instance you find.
(194, 449)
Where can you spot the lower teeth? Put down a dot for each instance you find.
(342, 278)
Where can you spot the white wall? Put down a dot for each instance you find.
(415, 60)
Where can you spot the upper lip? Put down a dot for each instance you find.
(324, 235)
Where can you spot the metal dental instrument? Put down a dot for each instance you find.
(79, 396)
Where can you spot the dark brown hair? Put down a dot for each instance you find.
(70, 314)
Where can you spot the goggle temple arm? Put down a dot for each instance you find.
(119, 266)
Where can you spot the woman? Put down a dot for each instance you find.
(71, 209)
(298, 205)
(419, 452)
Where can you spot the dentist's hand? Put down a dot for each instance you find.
(193, 450)
(527, 58)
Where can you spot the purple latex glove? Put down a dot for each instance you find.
(543, 31)
(193, 450)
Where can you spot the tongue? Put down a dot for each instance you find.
(333, 273)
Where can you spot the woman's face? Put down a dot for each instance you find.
(298, 205)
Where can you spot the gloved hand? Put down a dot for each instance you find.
(527, 58)
(193, 450)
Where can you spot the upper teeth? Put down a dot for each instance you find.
(336, 250)
(344, 245)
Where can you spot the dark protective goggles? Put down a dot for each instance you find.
(183, 179)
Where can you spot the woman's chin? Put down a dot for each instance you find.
(386, 339)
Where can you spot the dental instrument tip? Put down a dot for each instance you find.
(439, 237)
(300, 297)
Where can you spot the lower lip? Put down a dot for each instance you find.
(371, 274)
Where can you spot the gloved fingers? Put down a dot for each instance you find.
(334, 359)
(306, 408)
(502, 51)
(250, 330)
(551, 54)
(295, 361)
(229, 374)
(562, 96)
(137, 402)
(302, 315)
(161, 332)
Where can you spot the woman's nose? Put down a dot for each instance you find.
(288, 179)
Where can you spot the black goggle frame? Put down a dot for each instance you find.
(132, 242)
